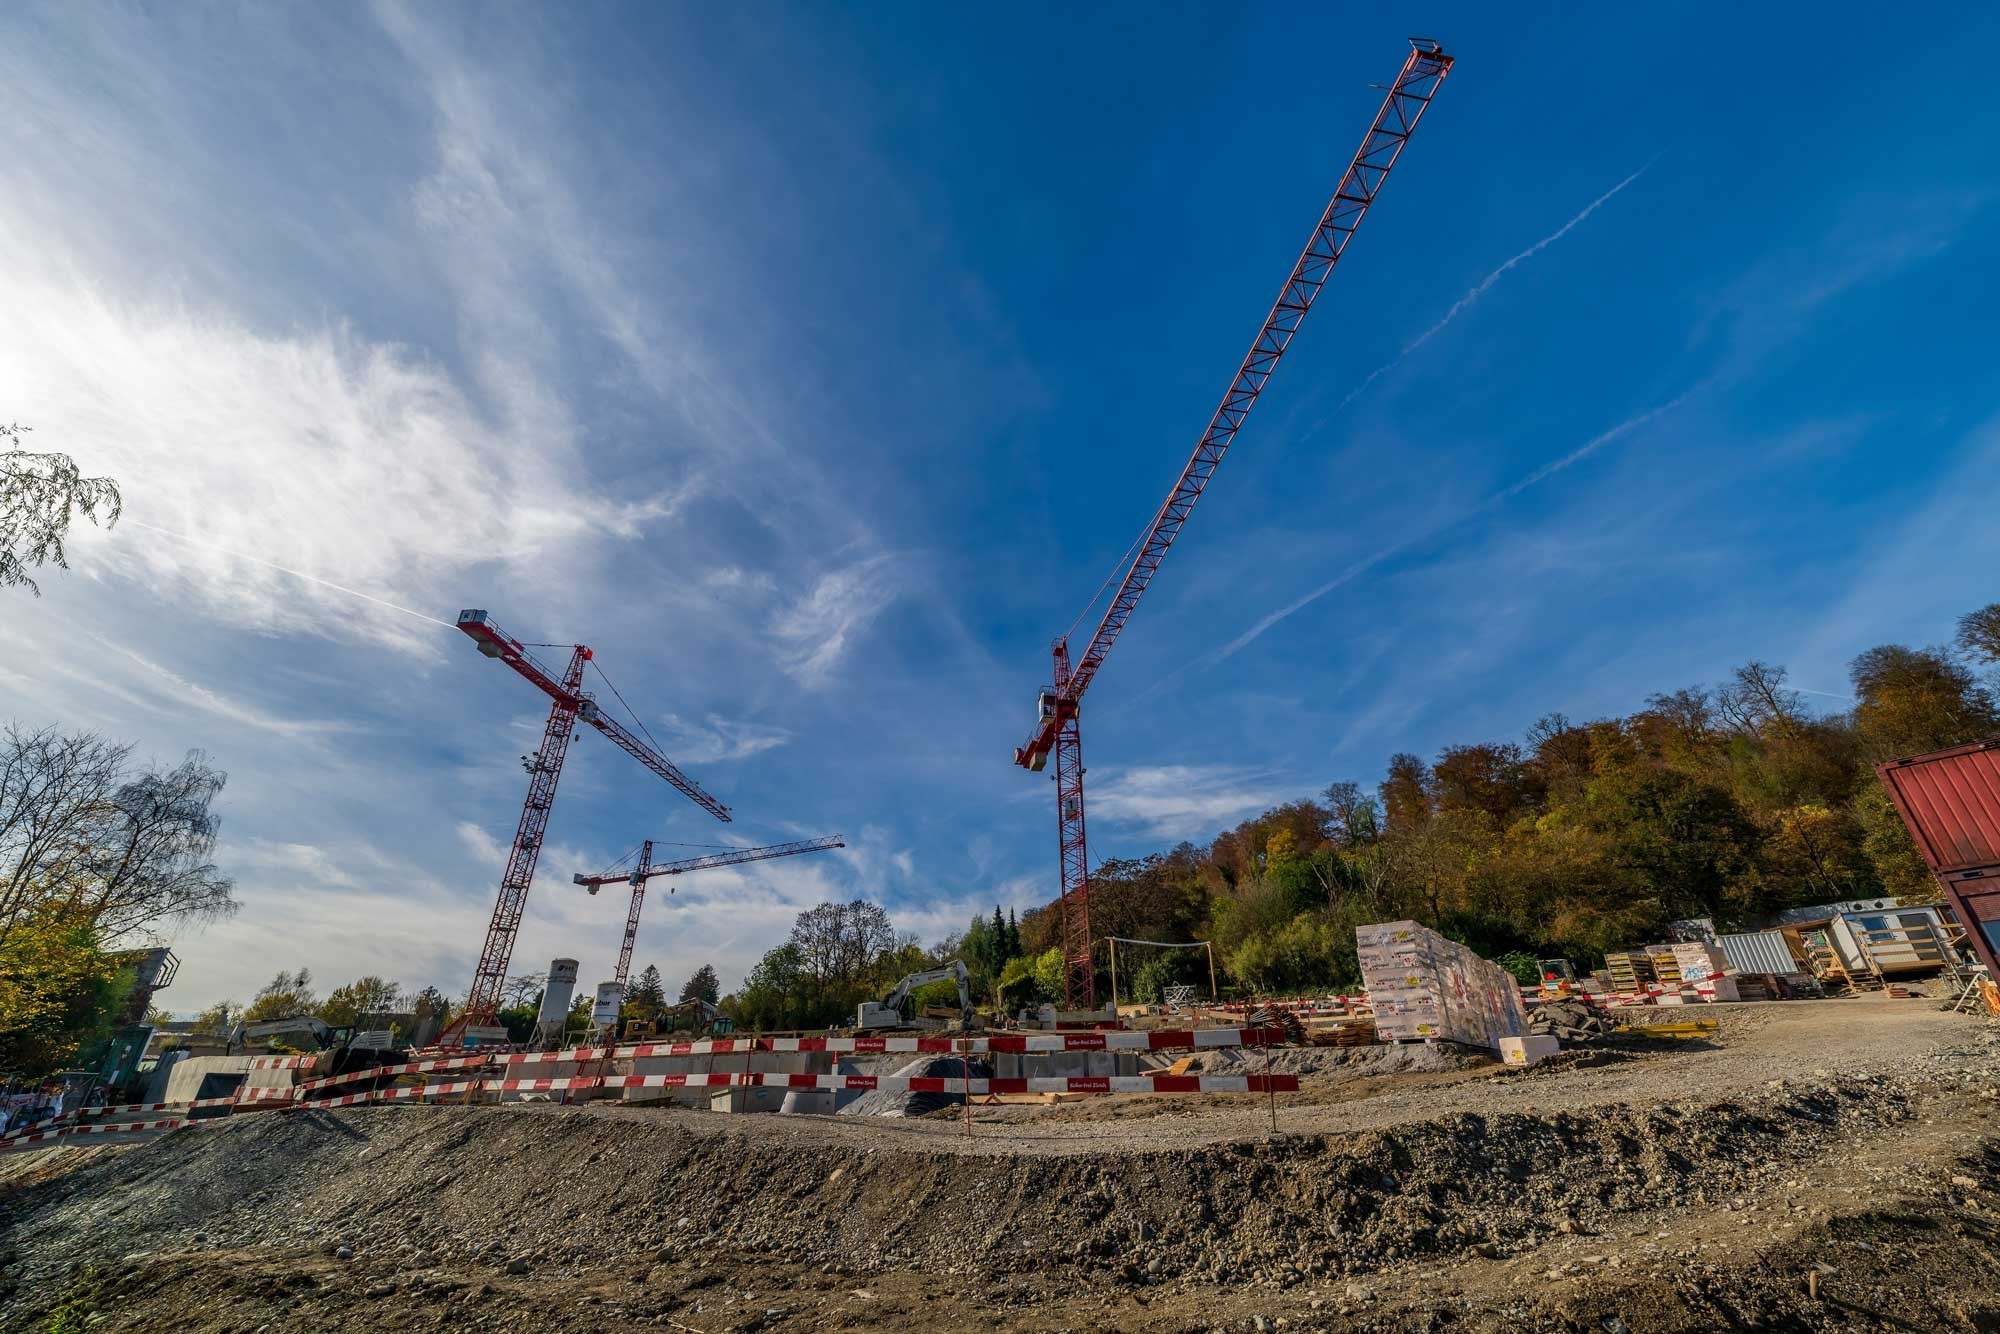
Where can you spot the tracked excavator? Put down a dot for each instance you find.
(887, 1014)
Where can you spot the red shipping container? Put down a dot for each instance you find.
(1950, 800)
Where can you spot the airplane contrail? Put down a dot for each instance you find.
(1480, 288)
(1367, 563)
(284, 569)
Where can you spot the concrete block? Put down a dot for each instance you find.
(1528, 1050)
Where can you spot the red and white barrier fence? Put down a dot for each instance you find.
(160, 1117)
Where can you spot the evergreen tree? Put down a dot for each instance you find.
(1000, 951)
(704, 985)
(1013, 935)
(647, 994)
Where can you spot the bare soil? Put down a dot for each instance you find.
(1819, 1165)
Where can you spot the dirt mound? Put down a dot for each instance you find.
(565, 1187)
(1692, 1214)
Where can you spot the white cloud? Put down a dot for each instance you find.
(1176, 801)
(717, 739)
(820, 627)
(315, 449)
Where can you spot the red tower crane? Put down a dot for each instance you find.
(569, 703)
(1056, 729)
(645, 870)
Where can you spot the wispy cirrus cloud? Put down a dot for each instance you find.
(1176, 801)
(1416, 541)
(817, 629)
(1484, 285)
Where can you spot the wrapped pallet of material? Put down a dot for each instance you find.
(1424, 986)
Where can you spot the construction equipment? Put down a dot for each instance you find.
(569, 703)
(324, 1038)
(1056, 730)
(645, 870)
(888, 1012)
(700, 1016)
(1558, 979)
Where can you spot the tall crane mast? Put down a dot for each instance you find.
(569, 703)
(1056, 730)
(645, 870)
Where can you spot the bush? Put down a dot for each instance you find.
(1169, 968)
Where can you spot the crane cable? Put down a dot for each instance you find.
(630, 712)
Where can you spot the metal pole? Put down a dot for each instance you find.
(1112, 941)
(1214, 996)
(1269, 1085)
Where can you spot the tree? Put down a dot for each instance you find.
(1406, 793)
(218, 1018)
(704, 985)
(122, 852)
(430, 1003)
(979, 947)
(1915, 700)
(361, 1002)
(58, 993)
(1489, 777)
(1755, 701)
(1355, 818)
(1979, 633)
(523, 989)
(285, 996)
(646, 993)
(1014, 950)
(38, 494)
(840, 941)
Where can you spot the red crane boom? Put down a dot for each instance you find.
(1057, 731)
(569, 702)
(645, 870)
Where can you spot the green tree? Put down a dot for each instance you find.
(363, 1002)
(704, 985)
(38, 495)
(1019, 983)
(59, 992)
(646, 995)
(1049, 974)
(285, 996)
(218, 1018)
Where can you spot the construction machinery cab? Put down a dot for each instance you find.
(1558, 978)
(888, 1012)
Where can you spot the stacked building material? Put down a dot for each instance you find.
(1423, 986)
(1629, 973)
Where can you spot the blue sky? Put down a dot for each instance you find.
(814, 364)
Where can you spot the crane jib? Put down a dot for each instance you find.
(1401, 109)
(1057, 733)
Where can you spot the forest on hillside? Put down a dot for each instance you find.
(1727, 801)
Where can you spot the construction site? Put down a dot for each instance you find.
(1790, 1120)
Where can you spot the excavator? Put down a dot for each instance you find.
(346, 1049)
(887, 1013)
